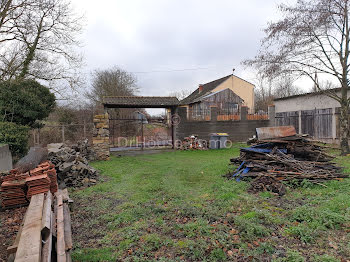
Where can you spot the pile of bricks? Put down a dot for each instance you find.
(17, 188)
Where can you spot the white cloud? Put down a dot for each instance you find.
(139, 35)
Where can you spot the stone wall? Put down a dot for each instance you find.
(5, 158)
(100, 138)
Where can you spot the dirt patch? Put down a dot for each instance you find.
(10, 222)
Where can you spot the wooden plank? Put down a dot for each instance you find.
(54, 224)
(65, 197)
(69, 256)
(61, 253)
(47, 245)
(46, 221)
(29, 247)
(67, 227)
(13, 249)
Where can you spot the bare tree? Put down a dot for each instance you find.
(312, 39)
(44, 40)
(180, 94)
(112, 82)
(284, 87)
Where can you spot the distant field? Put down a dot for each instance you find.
(176, 206)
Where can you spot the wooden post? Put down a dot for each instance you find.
(63, 134)
(142, 138)
(84, 128)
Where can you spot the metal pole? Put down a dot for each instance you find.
(142, 139)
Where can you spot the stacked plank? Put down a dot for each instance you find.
(45, 234)
(269, 162)
(192, 143)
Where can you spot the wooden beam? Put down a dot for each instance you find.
(46, 221)
(67, 228)
(61, 246)
(13, 249)
(47, 243)
(29, 247)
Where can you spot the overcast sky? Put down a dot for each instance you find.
(169, 35)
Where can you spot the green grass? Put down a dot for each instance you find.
(176, 206)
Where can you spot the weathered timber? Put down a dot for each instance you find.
(67, 227)
(61, 253)
(46, 221)
(11, 250)
(47, 243)
(29, 247)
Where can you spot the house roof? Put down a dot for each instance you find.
(140, 101)
(210, 94)
(206, 88)
(321, 92)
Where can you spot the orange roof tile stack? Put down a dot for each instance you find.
(14, 187)
(12, 193)
(37, 184)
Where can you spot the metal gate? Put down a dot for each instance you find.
(139, 133)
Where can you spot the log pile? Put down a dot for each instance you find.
(72, 165)
(45, 234)
(192, 143)
(271, 162)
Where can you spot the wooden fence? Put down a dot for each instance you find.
(317, 123)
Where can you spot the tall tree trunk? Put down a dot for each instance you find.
(344, 128)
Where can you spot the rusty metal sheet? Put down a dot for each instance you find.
(275, 132)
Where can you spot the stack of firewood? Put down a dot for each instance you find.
(270, 162)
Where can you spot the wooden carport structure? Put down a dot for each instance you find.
(167, 102)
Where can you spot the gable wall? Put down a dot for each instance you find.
(240, 87)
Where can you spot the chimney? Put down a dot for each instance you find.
(200, 88)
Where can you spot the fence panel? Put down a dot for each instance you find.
(228, 114)
(288, 119)
(308, 122)
(323, 123)
(199, 114)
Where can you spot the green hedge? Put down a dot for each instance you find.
(16, 136)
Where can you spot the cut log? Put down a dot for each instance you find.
(46, 221)
(29, 247)
(47, 243)
(67, 228)
(61, 253)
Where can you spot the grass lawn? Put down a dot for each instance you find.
(175, 206)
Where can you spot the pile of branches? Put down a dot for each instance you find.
(270, 163)
(72, 166)
(192, 143)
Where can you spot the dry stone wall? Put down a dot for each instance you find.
(100, 138)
